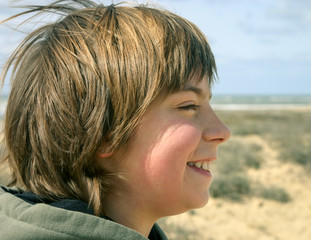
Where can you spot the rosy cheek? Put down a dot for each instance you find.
(172, 149)
(181, 138)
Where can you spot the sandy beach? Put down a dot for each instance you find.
(261, 107)
(253, 218)
(283, 138)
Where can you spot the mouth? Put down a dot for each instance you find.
(203, 165)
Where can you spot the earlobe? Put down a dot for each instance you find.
(103, 154)
(103, 151)
(103, 158)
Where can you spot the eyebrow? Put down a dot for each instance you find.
(197, 91)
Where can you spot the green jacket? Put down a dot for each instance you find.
(22, 220)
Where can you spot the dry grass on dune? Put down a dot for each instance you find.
(261, 187)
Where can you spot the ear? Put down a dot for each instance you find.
(103, 154)
(103, 151)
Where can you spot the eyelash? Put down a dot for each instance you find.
(189, 107)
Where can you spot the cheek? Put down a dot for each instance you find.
(178, 139)
(171, 150)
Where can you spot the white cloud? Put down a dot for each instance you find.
(297, 12)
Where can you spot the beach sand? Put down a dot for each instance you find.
(253, 218)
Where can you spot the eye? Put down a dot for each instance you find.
(188, 107)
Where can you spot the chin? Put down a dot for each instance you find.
(201, 205)
(198, 203)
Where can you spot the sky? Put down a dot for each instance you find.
(262, 47)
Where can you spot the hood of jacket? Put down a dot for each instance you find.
(20, 219)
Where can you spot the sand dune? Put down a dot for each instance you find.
(254, 218)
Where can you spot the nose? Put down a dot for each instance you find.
(215, 129)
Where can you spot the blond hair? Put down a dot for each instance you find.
(87, 79)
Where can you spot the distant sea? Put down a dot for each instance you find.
(240, 102)
(261, 102)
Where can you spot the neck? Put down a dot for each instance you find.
(130, 213)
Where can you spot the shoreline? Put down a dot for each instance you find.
(261, 107)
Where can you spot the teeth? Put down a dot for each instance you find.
(201, 165)
(205, 166)
(198, 164)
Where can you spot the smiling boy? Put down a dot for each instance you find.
(108, 124)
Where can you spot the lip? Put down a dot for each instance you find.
(208, 159)
(201, 171)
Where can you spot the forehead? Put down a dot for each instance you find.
(199, 86)
(201, 89)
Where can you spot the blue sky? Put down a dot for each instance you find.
(261, 46)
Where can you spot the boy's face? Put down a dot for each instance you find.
(175, 134)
